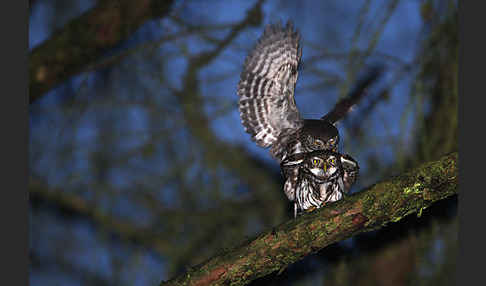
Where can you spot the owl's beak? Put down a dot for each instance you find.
(324, 166)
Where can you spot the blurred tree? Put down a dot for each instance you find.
(140, 167)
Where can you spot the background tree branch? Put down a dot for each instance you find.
(84, 39)
(382, 203)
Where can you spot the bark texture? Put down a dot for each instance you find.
(370, 209)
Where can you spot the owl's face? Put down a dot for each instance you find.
(322, 166)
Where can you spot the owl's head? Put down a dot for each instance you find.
(322, 164)
(320, 135)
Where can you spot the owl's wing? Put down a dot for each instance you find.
(351, 171)
(345, 105)
(266, 87)
(290, 169)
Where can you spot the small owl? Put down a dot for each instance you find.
(269, 114)
(318, 177)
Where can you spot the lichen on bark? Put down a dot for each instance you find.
(385, 202)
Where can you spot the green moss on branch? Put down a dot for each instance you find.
(383, 203)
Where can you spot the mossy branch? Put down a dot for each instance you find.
(370, 209)
(86, 38)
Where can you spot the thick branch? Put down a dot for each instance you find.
(86, 38)
(382, 203)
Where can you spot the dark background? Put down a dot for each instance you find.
(140, 167)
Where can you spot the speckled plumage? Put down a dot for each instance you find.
(269, 114)
(266, 97)
(308, 184)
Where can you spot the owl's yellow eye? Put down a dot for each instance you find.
(315, 162)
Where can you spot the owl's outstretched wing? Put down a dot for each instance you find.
(343, 106)
(267, 83)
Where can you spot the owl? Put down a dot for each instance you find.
(269, 113)
(318, 177)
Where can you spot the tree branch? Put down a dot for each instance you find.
(86, 38)
(382, 203)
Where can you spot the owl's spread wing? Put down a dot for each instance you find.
(346, 104)
(266, 87)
